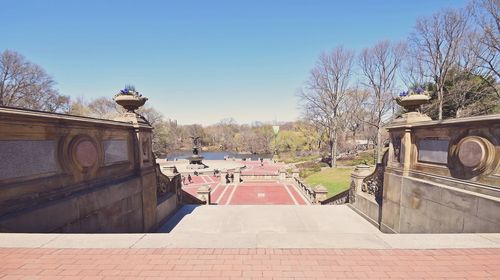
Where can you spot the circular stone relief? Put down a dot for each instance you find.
(86, 153)
(471, 153)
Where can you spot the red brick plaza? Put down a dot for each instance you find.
(249, 264)
(252, 192)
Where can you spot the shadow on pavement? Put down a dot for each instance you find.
(172, 222)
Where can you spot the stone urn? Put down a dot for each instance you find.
(412, 102)
(131, 100)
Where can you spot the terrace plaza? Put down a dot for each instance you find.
(84, 198)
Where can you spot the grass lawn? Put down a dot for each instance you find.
(335, 180)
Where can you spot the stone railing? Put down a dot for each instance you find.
(257, 177)
(187, 198)
(442, 176)
(308, 192)
(168, 181)
(373, 184)
(366, 190)
(63, 173)
(340, 198)
(315, 195)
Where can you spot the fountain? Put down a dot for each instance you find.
(195, 161)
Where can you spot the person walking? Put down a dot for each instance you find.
(190, 179)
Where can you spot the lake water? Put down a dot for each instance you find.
(216, 155)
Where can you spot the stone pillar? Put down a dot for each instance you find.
(143, 153)
(282, 175)
(405, 121)
(295, 173)
(360, 172)
(237, 176)
(406, 150)
(321, 193)
(203, 193)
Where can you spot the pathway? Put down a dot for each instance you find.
(248, 264)
(253, 242)
(248, 193)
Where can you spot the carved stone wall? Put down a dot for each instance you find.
(62, 173)
(446, 179)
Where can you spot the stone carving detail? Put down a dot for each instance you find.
(474, 156)
(166, 184)
(471, 153)
(85, 153)
(373, 184)
(396, 145)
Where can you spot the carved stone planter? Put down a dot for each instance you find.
(413, 102)
(130, 102)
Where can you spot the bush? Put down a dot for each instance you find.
(310, 167)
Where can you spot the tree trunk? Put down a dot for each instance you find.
(333, 149)
(379, 145)
(440, 97)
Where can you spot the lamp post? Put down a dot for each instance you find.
(276, 129)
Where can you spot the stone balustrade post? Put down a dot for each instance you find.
(320, 193)
(360, 172)
(282, 175)
(203, 193)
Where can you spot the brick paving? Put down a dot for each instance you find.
(89, 264)
(265, 193)
(247, 193)
(268, 168)
(251, 192)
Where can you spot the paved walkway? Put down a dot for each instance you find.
(249, 193)
(248, 264)
(267, 226)
(270, 192)
(253, 242)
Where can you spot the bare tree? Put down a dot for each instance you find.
(101, 108)
(436, 42)
(412, 71)
(26, 85)
(484, 42)
(105, 108)
(379, 66)
(324, 96)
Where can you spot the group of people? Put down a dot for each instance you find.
(229, 178)
(189, 178)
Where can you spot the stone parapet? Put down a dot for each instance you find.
(62, 173)
(443, 176)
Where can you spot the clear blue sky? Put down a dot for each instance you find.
(199, 61)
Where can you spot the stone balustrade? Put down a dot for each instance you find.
(62, 173)
(203, 194)
(442, 176)
(308, 192)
